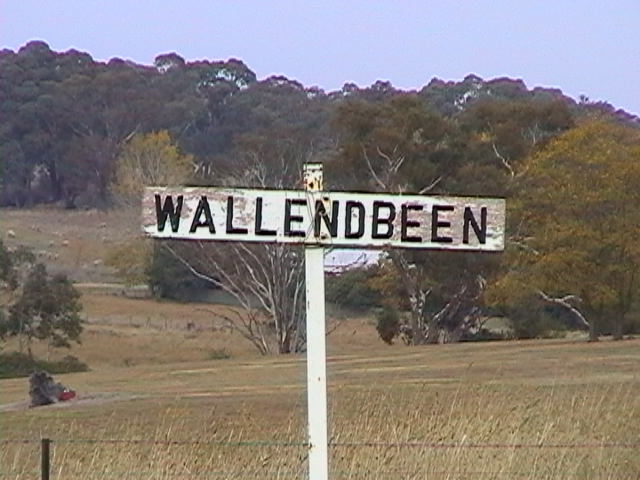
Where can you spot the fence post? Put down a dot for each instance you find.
(45, 456)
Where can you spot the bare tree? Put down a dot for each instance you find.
(266, 280)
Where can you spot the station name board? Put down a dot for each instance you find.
(330, 219)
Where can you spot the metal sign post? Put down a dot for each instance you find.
(315, 218)
(316, 345)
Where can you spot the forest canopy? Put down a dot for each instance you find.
(65, 118)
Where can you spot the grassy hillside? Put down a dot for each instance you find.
(75, 242)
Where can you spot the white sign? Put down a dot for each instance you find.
(330, 219)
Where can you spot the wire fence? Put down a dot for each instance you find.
(268, 443)
(92, 458)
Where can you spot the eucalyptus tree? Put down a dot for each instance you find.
(399, 145)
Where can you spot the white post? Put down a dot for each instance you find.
(316, 349)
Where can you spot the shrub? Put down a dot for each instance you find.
(532, 319)
(352, 290)
(387, 324)
(219, 354)
(17, 364)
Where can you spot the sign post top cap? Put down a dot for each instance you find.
(313, 180)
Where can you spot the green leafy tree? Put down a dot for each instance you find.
(395, 145)
(47, 309)
(39, 122)
(13, 264)
(399, 145)
(575, 224)
(496, 136)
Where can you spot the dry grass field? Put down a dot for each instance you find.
(539, 409)
(165, 402)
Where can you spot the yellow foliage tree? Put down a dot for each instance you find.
(147, 159)
(575, 226)
(150, 159)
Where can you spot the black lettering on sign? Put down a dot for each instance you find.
(230, 227)
(258, 226)
(350, 206)
(377, 220)
(436, 223)
(405, 223)
(289, 219)
(164, 210)
(203, 207)
(480, 231)
(321, 214)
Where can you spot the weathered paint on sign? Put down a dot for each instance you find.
(339, 219)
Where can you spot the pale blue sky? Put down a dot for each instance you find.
(589, 47)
